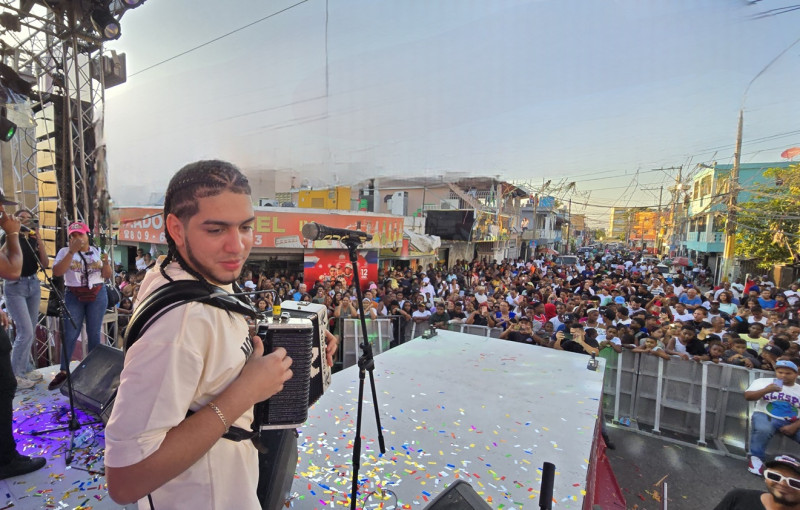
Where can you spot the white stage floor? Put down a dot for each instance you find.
(457, 406)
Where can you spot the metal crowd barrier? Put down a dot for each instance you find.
(389, 331)
(704, 401)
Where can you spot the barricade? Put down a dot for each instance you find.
(704, 401)
(386, 332)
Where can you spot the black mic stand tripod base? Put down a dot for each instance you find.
(366, 363)
(73, 423)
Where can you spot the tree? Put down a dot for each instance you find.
(768, 225)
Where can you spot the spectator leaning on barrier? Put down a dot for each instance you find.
(777, 409)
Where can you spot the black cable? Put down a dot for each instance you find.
(190, 50)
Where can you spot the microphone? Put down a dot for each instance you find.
(314, 231)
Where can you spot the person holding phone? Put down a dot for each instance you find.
(576, 341)
(777, 410)
(84, 269)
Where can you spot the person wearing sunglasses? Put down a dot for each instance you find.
(782, 477)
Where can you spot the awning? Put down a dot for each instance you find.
(422, 242)
(415, 246)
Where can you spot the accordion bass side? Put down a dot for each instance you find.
(318, 315)
(289, 407)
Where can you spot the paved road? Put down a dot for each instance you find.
(696, 479)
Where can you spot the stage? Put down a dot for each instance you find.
(456, 406)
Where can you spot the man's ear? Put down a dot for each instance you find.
(176, 230)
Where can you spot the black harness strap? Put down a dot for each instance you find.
(179, 293)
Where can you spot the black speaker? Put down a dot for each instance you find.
(459, 496)
(95, 381)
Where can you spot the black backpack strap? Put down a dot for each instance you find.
(178, 293)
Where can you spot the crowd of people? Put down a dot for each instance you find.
(606, 303)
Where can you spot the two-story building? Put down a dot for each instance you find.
(543, 225)
(708, 208)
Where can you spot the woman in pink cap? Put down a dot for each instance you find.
(84, 268)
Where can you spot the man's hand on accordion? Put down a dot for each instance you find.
(263, 376)
(331, 344)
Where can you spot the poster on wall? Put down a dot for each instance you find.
(332, 265)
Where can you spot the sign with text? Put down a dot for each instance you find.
(332, 265)
(273, 228)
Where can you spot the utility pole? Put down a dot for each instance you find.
(733, 191)
(535, 224)
(674, 212)
(657, 240)
(569, 223)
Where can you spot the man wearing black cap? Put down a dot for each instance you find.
(11, 462)
(782, 476)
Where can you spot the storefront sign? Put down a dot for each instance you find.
(273, 228)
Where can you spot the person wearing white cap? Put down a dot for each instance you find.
(777, 409)
(428, 291)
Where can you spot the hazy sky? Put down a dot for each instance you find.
(568, 90)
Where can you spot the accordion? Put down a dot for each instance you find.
(289, 407)
(318, 315)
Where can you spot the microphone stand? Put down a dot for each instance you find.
(366, 362)
(73, 423)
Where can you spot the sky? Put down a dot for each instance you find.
(603, 94)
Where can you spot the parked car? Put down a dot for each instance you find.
(566, 260)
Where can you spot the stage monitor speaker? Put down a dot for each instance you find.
(459, 496)
(96, 380)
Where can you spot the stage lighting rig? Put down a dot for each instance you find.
(132, 4)
(105, 23)
(7, 128)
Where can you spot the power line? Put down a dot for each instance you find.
(219, 38)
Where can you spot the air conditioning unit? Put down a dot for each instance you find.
(398, 203)
(451, 203)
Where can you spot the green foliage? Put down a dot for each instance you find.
(769, 223)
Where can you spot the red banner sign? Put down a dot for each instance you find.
(273, 228)
(332, 265)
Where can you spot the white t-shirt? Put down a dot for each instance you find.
(141, 265)
(681, 318)
(83, 264)
(778, 404)
(183, 361)
(421, 315)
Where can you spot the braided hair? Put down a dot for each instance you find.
(201, 179)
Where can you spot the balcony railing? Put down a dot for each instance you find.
(705, 237)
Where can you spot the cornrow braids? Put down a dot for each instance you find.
(200, 179)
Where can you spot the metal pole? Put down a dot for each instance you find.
(81, 167)
(569, 224)
(535, 224)
(733, 191)
(657, 240)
